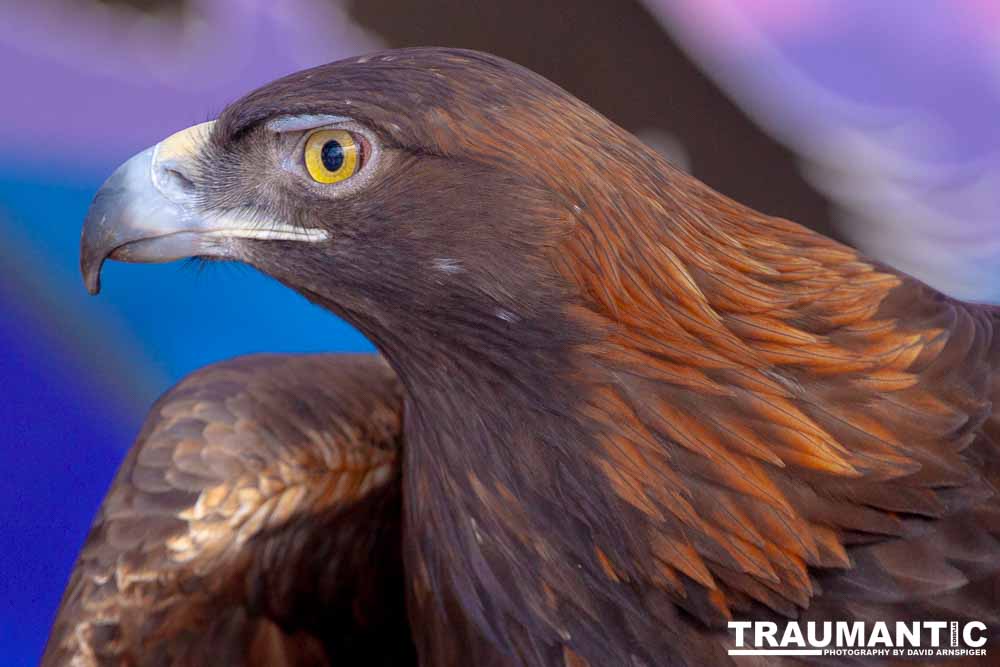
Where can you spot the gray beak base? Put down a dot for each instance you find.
(148, 211)
(130, 220)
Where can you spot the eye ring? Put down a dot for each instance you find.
(332, 156)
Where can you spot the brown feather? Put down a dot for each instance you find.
(205, 550)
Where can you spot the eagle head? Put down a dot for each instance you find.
(424, 191)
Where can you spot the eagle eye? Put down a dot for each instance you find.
(332, 156)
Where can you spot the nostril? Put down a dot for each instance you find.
(173, 180)
(181, 179)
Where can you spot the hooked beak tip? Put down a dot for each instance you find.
(98, 238)
(92, 276)
(91, 260)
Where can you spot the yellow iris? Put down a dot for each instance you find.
(331, 155)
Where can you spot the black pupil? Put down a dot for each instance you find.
(333, 155)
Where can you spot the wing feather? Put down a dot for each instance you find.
(254, 521)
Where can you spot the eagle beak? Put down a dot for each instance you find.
(144, 211)
(149, 210)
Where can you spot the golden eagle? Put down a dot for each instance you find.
(628, 410)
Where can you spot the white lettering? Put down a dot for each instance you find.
(827, 634)
(907, 634)
(765, 630)
(850, 637)
(793, 636)
(936, 627)
(858, 638)
(880, 635)
(967, 634)
(739, 626)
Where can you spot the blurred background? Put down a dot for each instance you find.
(876, 123)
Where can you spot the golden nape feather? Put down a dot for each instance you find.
(634, 410)
(772, 400)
